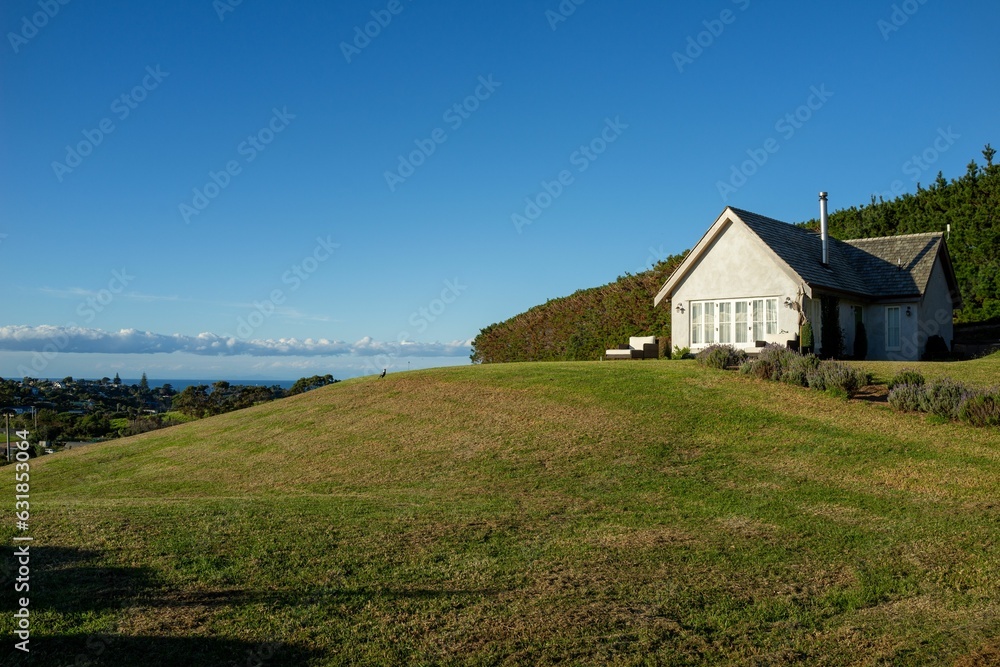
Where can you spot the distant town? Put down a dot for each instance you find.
(71, 412)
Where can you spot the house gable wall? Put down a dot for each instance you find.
(936, 310)
(736, 265)
(931, 315)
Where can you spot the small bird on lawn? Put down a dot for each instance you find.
(383, 374)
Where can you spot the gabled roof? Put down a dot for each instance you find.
(899, 265)
(876, 268)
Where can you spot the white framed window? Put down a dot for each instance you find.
(696, 323)
(725, 322)
(892, 341)
(709, 322)
(757, 311)
(742, 327)
(728, 322)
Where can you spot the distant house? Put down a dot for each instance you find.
(752, 280)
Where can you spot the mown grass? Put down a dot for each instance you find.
(984, 372)
(574, 513)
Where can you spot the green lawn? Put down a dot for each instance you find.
(983, 372)
(632, 513)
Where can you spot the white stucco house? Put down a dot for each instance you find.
(751, 280)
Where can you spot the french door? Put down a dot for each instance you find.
(737, 322)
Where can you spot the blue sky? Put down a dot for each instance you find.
(210, 189)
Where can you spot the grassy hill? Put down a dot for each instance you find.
(583, 513)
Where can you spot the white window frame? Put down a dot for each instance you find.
(742, 329)
(708, 315)
(696, 323)
(770, 309)
(726, 324)
(706, 321)
(758, 317)
(889, 347)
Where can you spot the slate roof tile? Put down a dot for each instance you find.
(890, 266)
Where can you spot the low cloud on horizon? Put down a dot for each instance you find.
(47, 338)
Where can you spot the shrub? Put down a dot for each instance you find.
(935, 349)
(906, 376)
(816, 379)
(798, 369)
(774, 359)
(778, 364)
(681, 353)
(806, 338)
(833, 375)
(721, 356)
(758, 368)
(981, 408)
(943, 397)
(906, 397)
(837, 375)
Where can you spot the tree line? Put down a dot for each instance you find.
(204, 401)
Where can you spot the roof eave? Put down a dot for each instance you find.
(730, 216)
(949, 275)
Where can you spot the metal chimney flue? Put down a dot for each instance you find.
(823, 229)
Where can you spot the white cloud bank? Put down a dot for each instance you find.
(50, 339)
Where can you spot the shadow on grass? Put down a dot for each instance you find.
(76, 583)
(68, 580)
(117, 651)
(873, 393)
